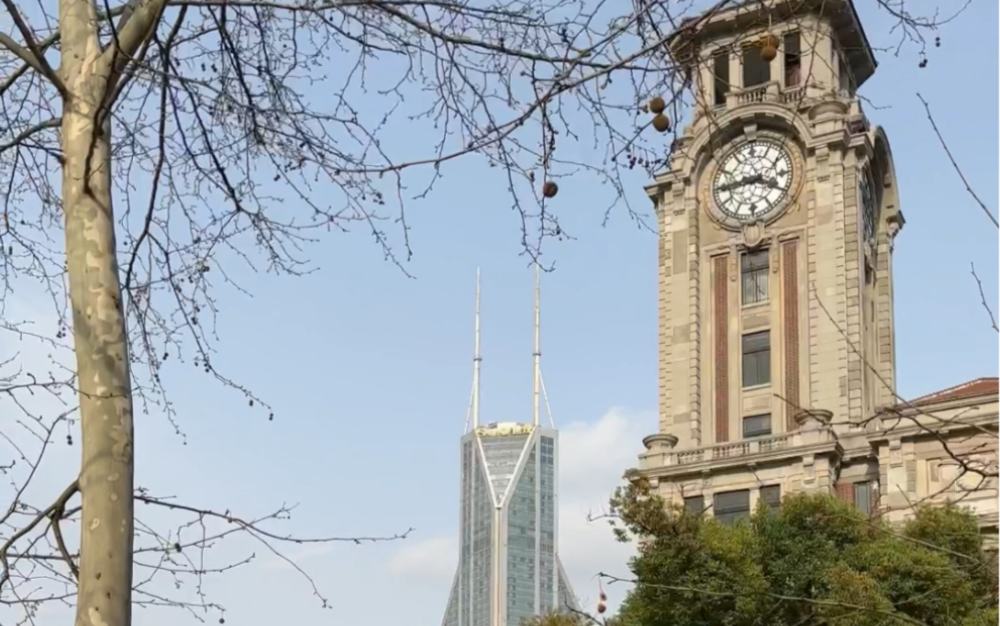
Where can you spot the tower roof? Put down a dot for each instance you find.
(751, 15)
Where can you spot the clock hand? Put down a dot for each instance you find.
(730, 186)
(747, 180)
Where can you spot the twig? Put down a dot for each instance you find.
(954, 164)
(982, 298)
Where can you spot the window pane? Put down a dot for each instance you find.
(728, 519)
(729, 501)
(756, 359)
(754, 286)
(749, 371)
(755, 342)
(731, 506)
(756, 369)
(763, 367)
(793, 60)
(695, 504)
(771, 495)
(792, 46)
(721, 83)
(862, 497)
(756, 425)
(754, 260)
(756, 71)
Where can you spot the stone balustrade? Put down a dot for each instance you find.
(814, 430)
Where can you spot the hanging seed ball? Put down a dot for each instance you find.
(550, 189)
(661, 123)
(767, 53)
(657, 105)
(601, 607)
(769, 41)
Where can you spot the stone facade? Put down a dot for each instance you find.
(825, 415)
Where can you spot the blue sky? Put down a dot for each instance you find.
(369, 371)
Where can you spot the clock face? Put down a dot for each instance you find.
(753, 179)
(869, 215)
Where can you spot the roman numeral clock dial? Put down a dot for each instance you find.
(752, 180)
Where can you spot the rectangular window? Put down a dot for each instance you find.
(731, 506)
(756, 71)
(793, 60)
(754, 276)
(695, 504)
(771, 496)
(863, 497)
(756, 425)
(757, 358)
(720, 77)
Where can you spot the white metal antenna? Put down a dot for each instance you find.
(537, 378)
(476, 361)
(545, 398)
(468, 415)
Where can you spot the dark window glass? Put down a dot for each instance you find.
(720, 72)
(793, 60)
(756, 425)
(771, 495)
(695, 504)
(757, 358)
(731, 506)
(756, 71)
(863, 497)
(754, 276)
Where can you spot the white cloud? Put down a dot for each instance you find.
(593, 457)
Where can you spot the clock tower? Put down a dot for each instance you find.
(777, 215)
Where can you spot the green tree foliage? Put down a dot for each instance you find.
(815, 560)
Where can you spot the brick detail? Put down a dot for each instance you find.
(790, 297)
(844, 491)
(720, 288)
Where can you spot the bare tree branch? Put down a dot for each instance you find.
(954, 164)
(35, 55)
(982, 298)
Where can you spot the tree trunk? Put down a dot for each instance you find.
(100, 342)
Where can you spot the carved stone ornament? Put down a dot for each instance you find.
(813, 419)
(753, 234)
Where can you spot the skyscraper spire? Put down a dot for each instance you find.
(476, 360)
(537, 378)
(508, 474)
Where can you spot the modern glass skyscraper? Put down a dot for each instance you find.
(508, 566)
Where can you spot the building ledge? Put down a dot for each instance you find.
(894, 426)
(662, 461)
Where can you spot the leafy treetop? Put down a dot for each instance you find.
(813, 560)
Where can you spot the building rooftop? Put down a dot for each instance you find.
(972, 389)
(500, 429)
